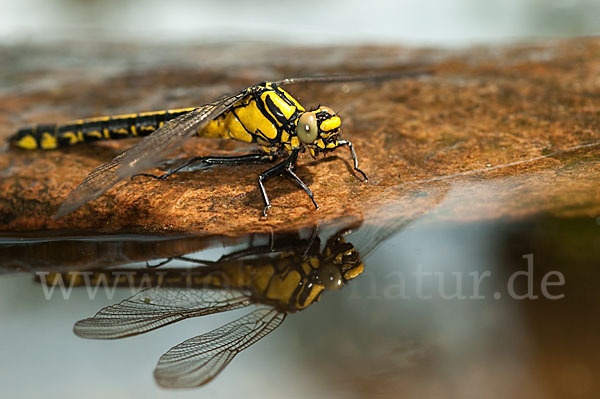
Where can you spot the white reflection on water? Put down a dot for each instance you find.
(436, 22)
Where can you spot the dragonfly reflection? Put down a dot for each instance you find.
(283, 280)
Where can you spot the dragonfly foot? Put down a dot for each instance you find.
(365, 179)
(161, 177)
(265, 211)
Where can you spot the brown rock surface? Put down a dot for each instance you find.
(478, 110)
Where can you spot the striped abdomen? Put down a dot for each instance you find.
(267, 117)
(281, 283)
(50, 136)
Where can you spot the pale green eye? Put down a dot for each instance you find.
(307, 130)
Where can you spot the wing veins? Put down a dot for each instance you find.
(198, 360)
(157, 307)
(147, 153)
(406, 73)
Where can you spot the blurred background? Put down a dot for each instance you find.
(424, 22)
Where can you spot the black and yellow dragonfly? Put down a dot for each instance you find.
(283, 277)
(264, 114)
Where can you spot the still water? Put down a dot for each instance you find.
(480, 309)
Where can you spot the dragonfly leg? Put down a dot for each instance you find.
(314, 238)
(209, 161)
(285, 167)
(295, 177)
(164, 262)
(349, 145)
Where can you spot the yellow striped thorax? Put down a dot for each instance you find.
(272, 118)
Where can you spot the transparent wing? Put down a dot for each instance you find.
(370, 236)
(150, 151)
(198, 360)
(413, 71)
(156, 307)
(381, 225)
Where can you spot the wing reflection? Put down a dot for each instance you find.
(155, 307)
(198, 360)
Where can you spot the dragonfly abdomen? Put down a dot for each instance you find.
(51, 136)
(261, 117)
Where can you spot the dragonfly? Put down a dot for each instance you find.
(283, 277)
(264, 114)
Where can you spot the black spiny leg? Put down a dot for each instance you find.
(349, 145)
(235, 160)
(287, 166)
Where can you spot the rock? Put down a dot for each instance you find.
(490, 133)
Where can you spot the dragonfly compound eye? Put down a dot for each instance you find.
(330, 277)
(307, 130)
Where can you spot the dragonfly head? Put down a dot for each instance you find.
(319, 129)
(340, 264)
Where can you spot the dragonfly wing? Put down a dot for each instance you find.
(155, 307)
(198, 360)
(150, 151)
(404, 73)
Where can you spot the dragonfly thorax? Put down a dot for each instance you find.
(275, 120)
